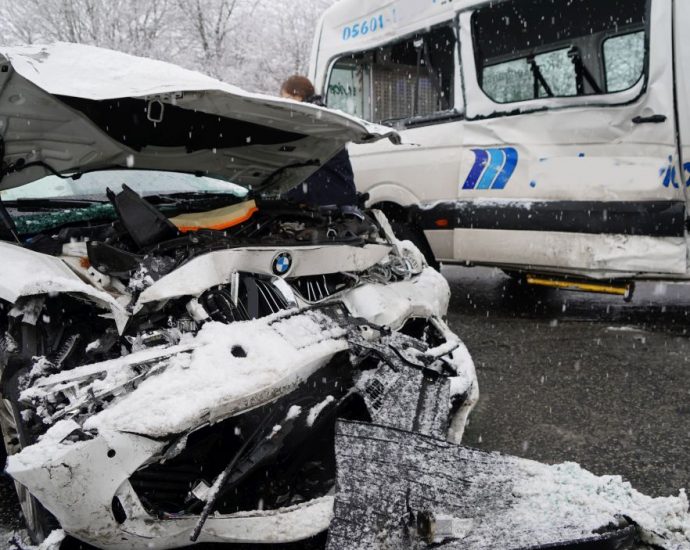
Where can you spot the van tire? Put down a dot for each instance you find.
(407, 232)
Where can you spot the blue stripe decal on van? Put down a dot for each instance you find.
(498, 159)
(492, 168)
(481, 160)
(508, 168)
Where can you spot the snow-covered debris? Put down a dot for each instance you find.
(20, 541)
(316, 410)
(386, 475)
(568, 494)
(203, 378)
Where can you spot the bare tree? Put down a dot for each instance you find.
(252, 43)
(286, 41)
(132, 26)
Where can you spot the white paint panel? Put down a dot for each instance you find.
(682, 27)
(216, 268)
(610, 253)
(441, 242)
(426, 164)
(29, 273)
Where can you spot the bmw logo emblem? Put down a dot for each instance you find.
(282, 264)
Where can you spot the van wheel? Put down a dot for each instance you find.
(406, 232)
(16, 435)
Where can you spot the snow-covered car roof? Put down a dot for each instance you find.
(70, 108)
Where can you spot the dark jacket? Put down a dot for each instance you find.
(332, 184)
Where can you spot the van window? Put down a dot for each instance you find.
(624, 60)
(543, 48)
(398, 81)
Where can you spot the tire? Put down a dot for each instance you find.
(407, 232)
(15, 434)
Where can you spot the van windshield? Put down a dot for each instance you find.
(542, 48)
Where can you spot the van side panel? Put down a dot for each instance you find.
(571, 185)
(682, 28)
(558, 184)
(422, 170)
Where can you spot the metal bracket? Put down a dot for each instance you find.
(155, 106)
(155, 109)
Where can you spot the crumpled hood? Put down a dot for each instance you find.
(77, 108)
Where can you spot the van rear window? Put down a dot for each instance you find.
(548, 48)
(399, 81)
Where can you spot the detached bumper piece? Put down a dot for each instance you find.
(398, 489)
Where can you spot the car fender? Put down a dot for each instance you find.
(29, 273)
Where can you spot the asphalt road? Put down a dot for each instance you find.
(575, 377)
(569, 377)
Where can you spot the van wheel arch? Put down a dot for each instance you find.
(406, 230)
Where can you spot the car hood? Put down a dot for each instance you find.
(71, 108)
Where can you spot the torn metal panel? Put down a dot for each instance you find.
(28, 273)
(287, 374)
(277, 354)
(399, 489)
(216, 268)
(384, 305)
(407, 398)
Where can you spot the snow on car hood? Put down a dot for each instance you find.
(75, 108)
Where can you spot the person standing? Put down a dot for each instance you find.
(334, 182)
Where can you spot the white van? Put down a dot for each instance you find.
(543, 136)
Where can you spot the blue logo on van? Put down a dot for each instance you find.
(492, 168)
(670, 177)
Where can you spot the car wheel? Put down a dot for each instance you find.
(15, 435)
(407, 232)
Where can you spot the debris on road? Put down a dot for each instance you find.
(399, 489)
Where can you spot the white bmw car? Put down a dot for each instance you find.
(178, 340)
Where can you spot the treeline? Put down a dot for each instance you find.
(253, 44)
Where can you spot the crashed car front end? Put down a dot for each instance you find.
(211, 416)
(179, 340)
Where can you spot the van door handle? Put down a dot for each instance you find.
(652, 119)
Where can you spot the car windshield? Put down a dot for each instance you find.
(93, 185)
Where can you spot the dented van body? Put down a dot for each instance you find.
(543, 137)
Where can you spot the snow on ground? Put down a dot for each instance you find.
(569, 495)
(19, 540)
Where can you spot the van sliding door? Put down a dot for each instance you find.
(569, 156)
(682, 66)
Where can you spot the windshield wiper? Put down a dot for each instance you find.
(177, 199)
(538, 78)
(582, 73)
(55, 202)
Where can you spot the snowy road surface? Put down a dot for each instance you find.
(569, 377)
